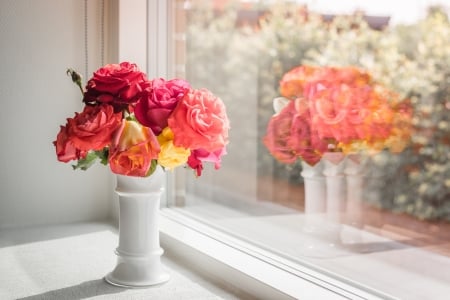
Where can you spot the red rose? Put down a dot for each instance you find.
(65, 149)
(117, 84)
(290, 135)
(200, 122)
(93, 128)
(278, 133)
(304, 142)
(158, 101)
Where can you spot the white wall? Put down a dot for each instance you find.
(39, 40)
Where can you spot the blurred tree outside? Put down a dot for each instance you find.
(241, 52)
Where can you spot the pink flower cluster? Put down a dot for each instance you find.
(335, 109)
(134, 123)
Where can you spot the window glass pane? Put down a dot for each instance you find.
(387, 203)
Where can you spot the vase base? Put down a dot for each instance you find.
(158, 280)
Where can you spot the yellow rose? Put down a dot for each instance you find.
(171, 156)
(353, 147)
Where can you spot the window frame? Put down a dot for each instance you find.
(280, 274)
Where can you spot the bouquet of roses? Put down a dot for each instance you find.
(329, 109)
(134, 124)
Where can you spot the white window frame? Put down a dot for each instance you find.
(260, 272)
(268, 275)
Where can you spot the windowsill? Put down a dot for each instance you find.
(265, 274)
(376, 267)
(70, 261)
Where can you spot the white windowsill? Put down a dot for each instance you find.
(69, 261)
(311, 279)
(261, 272)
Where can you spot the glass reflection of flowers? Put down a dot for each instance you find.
(335, 109)
(134, 124)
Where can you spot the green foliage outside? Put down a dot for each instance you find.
(247, 62)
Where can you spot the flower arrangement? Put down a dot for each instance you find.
(332, 109)
(134, 124)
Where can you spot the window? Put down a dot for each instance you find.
(393, 241)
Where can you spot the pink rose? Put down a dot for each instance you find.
(117, 84)
(158, 101)
(358, 107)
(92, 129)
(200, 121)
(332, 106)
(65, 149)
(133, 149)
(198, 156)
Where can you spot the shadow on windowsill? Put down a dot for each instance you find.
(18, 236)
(83, 290)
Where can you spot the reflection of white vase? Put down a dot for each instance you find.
(315, 195)
(355, 168)
(139, 252)
(334, 164)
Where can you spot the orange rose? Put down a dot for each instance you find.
(200, 122)
(134, 148)
(293, 82)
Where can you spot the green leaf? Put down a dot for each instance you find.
(103, 155)
(152, 168)
(87, 162)
(131, 117)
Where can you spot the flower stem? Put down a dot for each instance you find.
(76, 78)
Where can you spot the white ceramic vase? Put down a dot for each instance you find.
(139, 252)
